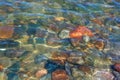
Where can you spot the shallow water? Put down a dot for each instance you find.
(59, 39)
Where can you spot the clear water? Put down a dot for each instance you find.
(34, 36)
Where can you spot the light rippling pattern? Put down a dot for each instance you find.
(59, 39)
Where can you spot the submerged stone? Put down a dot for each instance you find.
(60, 75)
(52, 66)
(18, 32)
(6, 32)
(8, 43)
(59, 57)
(15, 67)
(41, 33)
(1, 67)
(31, 31)
(116, 67)
(41, 73)
(46, 77)
(40, 58)
(12, 76)
(116, 75)
(11, 53)
(103, 75)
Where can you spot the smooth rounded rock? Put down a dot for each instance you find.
(59, 75)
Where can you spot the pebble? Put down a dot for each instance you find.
(63, 34)
(41, 33)
(116, 75)
(8, 43)
(46, 77)
(75, 58)
(80, 31)
(11, 53)
(31, 31)
(59, 57)
(40, 58)
(18, 32)
(1, 67)
(117, 67)
(6, 32)
(99, 44)
(12, 76)
(103, 75)
(77, 74)
(85, 69)
(68, 70)
(41, 73)
(60, 75)
(52, 66)
(14, 67)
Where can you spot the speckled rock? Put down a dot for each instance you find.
(103, 75)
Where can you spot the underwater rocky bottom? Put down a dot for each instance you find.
(59, 40)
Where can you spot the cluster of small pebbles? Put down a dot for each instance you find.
(59, 40)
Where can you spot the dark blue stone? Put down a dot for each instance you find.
(12, 76)
(52, 66)
(15, 67)
(117, 4)
(19, 31)
(117, 20)
(31, 31)
(112, 67)
(8, 43)
(65, 42)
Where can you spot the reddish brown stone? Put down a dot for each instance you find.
(60, 58)
(117, 67)
(60, 75)
(53, 27)
(1, 67)
(99, 45)
(6, 32)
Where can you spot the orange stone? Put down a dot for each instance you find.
(6, 32)
(60, 75)
(1, 67)
(99, 45)
(81, 31)
(41, 73)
